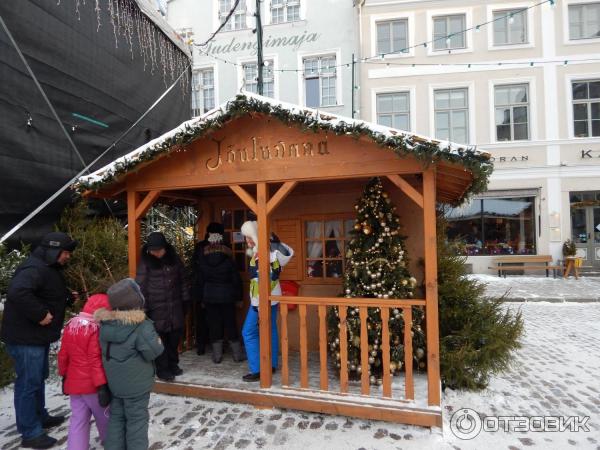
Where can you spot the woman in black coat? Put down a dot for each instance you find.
(218, 287)
(161, 276)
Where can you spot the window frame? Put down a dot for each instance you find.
(467, 12)
(478, 221)
(393, 113)
(470, 125)
(230, 230)
(533, 104)
(284, 7)
(390, 17)
(199, 70)
(580, 4)
(230, 26)
(324, 218)
(267, 70)
(436, 41)
(530, 25)
(511, 106)
(566, 23)
(389, 23)
(587, 101)
(320, 57)
(505, 19)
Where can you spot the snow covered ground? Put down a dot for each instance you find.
(554, 374)
(540, 288)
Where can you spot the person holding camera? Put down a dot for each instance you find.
(279, 255)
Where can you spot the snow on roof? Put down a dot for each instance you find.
(193, 129)
(148, 8)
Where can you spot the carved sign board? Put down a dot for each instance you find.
(255, 148)
(253, 151)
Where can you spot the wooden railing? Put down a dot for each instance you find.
(322, 303)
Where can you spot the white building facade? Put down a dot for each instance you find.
(525, 88)
(307, 49)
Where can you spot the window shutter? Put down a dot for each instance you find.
(290, 233)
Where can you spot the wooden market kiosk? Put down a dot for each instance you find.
(291, 165)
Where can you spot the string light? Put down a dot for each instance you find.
(447, 39)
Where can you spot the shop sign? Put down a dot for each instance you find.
(585, 154)
(254, 152)
(505, 159)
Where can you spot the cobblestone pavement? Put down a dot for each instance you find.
(555, 373)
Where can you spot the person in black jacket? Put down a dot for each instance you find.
(161, 276)
(33, 318)
(218, 287)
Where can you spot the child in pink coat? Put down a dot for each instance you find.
(80, 365)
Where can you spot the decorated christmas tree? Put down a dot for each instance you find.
(377, 267)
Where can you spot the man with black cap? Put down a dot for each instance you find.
(33, 317)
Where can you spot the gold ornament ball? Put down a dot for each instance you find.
(371, 360)
(420, 353)
(384, 195)
(357, 226)
(367, 230)
(372, 379)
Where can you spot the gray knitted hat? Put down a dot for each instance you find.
(125, 294)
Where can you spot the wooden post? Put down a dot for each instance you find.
(264, 285)
(409, 386)
(323, 346)
(285, 378)
(133, 231)
(303, 347)
(385, 351)
(342, 310)
(431, 289)
(364, 352)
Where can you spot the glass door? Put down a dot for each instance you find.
(585, 232)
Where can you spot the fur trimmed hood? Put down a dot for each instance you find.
(129, 317)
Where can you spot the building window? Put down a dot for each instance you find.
(510, 27)
(586, 108)
(238, 19)
(232, 220)
(187, 34)
(448, 32)
(250, 72)
(452, 115)
(393, 110)
(392, 36)
(285, 11)
(203, 91)
(320, 81)
(494, 226)
(584, 21)
(512, 112)
(325, 243)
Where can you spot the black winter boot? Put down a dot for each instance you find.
(217, 351)
(238, 352)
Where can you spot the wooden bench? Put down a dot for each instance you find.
(517, 263)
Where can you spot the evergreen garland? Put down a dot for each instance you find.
(307, 120)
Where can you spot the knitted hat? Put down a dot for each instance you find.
(125, 294)
(156, 240)
(96, 302)
(215, 227)
(250, 229)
